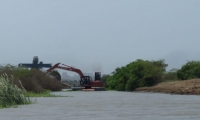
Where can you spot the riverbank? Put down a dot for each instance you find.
(46, 93)
(188, 87)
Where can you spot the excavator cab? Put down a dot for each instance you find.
(85, 80)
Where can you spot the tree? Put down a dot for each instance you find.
(104, 78)
(190, 70)
(136, 74)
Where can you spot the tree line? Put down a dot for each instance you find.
(143, 73)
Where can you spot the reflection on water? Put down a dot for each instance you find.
(108, 105)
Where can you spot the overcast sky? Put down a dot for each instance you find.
(99, 35)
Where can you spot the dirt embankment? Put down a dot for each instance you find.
(189, 87)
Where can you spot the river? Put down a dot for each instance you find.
(107, 105)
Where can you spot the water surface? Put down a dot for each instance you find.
(108, 105)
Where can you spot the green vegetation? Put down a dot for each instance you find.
(10, 94)
(190, 70)
(144, 73)
(104, 78)
(33, 80)
(16, 81)
(136, 74)
(170, 75)
(46, 93)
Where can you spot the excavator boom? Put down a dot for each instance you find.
(66, 67)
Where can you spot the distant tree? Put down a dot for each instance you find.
(190, 70)
(136, 74)
(104, 77)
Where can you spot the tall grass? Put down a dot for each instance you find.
(11, 94)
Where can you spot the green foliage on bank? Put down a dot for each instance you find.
(11, 94)
(189, 71)
(46, 93)
(32, 79)
(170, 75)
(136, 74)
(144, 73)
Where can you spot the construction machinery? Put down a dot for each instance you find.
(85, 81)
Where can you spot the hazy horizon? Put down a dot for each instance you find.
(99, 35)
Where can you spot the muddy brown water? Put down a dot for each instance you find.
(108, 105)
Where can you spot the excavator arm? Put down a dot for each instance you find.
(65, 67)
(83, 79)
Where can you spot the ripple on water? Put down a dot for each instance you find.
(108, 105)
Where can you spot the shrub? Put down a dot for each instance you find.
(10, 94)
(33, 80)
(170, 75)
(190, 70)
(136, 74)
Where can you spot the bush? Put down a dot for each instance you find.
(136, 74)
(190, 70)
(104, 78)
(10, 94)
(33, 80)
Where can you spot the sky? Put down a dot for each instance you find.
(99, 35)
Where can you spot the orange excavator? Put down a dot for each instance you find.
(85, 81)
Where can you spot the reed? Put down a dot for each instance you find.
(11, 94)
